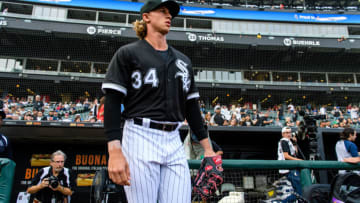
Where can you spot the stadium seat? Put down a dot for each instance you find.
(227, 187)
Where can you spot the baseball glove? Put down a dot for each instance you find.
(209, 177)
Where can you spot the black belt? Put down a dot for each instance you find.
(158, 126)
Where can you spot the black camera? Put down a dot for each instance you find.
(308, 129)
(53, 181)
(310, 123)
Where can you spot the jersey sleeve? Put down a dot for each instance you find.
(118, 75)
(36, 180)
(193, 92)
(72, 179)
(351, 148)
(285, 146)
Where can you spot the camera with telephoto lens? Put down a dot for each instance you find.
(53, 181)
(309, 128)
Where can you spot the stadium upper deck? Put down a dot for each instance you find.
(56, 41)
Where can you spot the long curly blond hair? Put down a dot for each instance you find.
(140, 28)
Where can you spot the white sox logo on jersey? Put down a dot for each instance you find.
(184, 74)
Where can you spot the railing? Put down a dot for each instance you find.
(255, 177)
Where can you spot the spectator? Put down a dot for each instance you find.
(202, 106)
(38, 104)
(233, 110)
(100, 115)
(92, 119)
(354, 112)
(247, 121)
(28, 116)
(34, 113)
(336, 112)
(66, 106)
(323, 110)
(56, 116)
(335, 124)
(288, 122)
(291, 107)
(217, 105)
(40, 116)
(86, 104)
(95, 107)
(207, 118)
(88, 116)
(225, 112)
(287, 151)
(243, 111)
(50, 116)
(264, 120)
(348, 108)
(79, 104)
(66, 118)
(346, 147)
(233, 122)
(77, 118)
(217, 119)
(8, 114)
(278, 123)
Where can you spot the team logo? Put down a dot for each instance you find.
(91, 30)
(184, 74)
(287, 42)
(191, 36)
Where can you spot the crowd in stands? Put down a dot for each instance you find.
(281, 115)
(40, 110)
(247, 114)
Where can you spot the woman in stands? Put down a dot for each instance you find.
(100, 115)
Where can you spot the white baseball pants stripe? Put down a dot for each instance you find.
(159, 172)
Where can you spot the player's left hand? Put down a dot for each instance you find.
(209, 153)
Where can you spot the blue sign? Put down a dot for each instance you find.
(214, 12)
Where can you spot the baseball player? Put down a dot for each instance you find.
(155, 82)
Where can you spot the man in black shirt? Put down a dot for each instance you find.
(38, 104)
(287, 151)
(42, 186)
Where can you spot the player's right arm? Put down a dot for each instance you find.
(118, 167)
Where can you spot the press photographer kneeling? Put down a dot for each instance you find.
(54, 183)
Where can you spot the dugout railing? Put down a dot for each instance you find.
(255, 178)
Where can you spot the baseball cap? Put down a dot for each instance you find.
(151, 5)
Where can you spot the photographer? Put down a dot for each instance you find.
(54, 183)
(287, 151)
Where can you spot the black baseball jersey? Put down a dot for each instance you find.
(153, 87)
